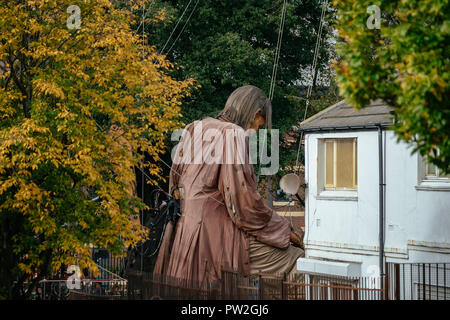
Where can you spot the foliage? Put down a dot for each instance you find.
(405, 63)
(76, 106)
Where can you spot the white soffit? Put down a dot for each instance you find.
(314, 266)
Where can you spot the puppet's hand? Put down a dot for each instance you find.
(297, 237)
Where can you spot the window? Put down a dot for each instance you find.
(340, 164)
(431, 178)
(433, 172)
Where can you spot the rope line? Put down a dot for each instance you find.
(110, 272)
(143, 19)
(173, 30)
(313, 71)
(195, 6)
(277, 52)
(272, 88)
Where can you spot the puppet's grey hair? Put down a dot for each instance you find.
(243, 104)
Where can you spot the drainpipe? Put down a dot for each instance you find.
(381, 199)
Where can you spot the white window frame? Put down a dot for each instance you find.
(436, 176)
(333, 194)
(430, 183)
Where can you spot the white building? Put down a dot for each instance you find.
(350, 212)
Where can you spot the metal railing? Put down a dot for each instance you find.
(148, 286)
(418, 281)
(402, 281)
(107, 284)
(109, 265)
(84, 289)
(233, 286)
(299, 286)
(406, 281)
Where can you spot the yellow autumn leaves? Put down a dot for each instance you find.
(61, 91)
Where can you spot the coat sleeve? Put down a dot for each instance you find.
(246, 207)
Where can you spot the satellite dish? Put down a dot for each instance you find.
(290, 183)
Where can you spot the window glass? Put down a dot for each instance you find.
(432, 172)
(344, 163)
(340, 163)
(430, 169)
(329, 169)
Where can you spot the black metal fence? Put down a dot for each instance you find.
(405, 281)
(84, 289)
(261, 286)
(109, 283)
(148, 286)
(418, 281)
(109, 266)
(233, 286)
(325, 287)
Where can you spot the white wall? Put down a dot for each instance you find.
(417, 226)
(417, 217)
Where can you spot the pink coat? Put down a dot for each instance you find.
(220, 210)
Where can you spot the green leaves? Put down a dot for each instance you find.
(404, 63)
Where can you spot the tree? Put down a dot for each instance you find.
(405, 62)
(80, 99)
(227, 44)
